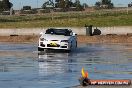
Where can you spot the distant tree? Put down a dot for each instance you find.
(78, 5)
(66, 4)
(105, 4)
(26, 7)
(44, 5)
(98, 4)
(48, 4)
(85, 5)
(5, 5)
(69, 3)
(108, 3)
(57, 0)
(62, 4)
(1, 6)
(56, 5)
(130, 4)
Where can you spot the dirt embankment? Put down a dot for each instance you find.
(105, 39)
(20, 38)
(81, 39)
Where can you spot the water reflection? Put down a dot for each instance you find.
(102, 61)
(51, 56)
(3, 68)
(51, 63)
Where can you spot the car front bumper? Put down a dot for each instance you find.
(54, 45)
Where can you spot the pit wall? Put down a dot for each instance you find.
(121, 30)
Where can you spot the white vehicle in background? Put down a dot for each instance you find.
(57, 39)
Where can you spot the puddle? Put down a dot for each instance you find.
(21, 66)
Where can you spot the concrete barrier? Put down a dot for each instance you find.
(121, 30)
(36, 31)
(79, 30)
(23, 31)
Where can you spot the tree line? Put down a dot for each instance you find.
(102, 4)
(64, 4)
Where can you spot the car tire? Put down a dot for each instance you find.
(68, 51)
(40, 49)
(76, 44)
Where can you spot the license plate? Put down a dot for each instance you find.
(53, 44)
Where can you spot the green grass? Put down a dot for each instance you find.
(69, 19)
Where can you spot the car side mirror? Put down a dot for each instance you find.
(74, 34)
(41, 33)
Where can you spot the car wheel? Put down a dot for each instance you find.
(40, 49)
(76, 44)
(68, 51)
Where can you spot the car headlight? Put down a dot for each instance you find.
(64, 40)
(43, 39)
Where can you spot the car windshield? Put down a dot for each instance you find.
(65, 32)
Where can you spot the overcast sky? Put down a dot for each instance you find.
(18, 4)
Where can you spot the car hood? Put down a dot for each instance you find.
(55, 37)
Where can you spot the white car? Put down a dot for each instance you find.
(57, 39)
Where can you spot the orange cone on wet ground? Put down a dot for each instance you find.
(84, 74)
(85, 81)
